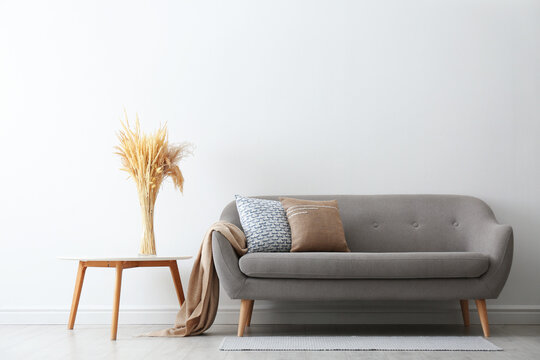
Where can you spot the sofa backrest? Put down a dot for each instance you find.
(400, 223)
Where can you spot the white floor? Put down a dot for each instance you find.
(92, 342)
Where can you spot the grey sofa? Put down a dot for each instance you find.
(403, 247)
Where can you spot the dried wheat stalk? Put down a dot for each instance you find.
(149, 159)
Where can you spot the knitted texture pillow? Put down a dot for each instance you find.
(315, 225)
(265, 225)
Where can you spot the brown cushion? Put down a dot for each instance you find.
(315, 225)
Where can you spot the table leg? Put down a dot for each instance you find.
(116, 305)
(76, 295)
(177, 282)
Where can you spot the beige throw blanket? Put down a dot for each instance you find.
(199, 310)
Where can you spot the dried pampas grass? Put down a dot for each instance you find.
(149, 159)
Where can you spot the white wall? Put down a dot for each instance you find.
(280, 97)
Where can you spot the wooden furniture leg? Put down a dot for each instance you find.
(116, 304)
(482, 313)
(250, 312)
(177, 282)
(465, 312)
(76, 295)
(244, 311)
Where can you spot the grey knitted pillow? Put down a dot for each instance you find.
(265, 225)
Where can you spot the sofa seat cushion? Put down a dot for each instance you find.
(357, 265)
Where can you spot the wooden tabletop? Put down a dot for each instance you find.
(125, 258)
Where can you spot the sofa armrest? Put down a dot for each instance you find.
(226, 263)
(497, 242)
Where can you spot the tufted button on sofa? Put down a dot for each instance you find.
(403, 247)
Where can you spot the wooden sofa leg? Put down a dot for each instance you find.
(465, 312)
(482, 313)
(248, 321)
(244, 314)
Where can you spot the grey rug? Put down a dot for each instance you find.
(357, 343)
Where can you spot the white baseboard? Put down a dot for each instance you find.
(498, 314)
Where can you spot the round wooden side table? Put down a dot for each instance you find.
(121, 263)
